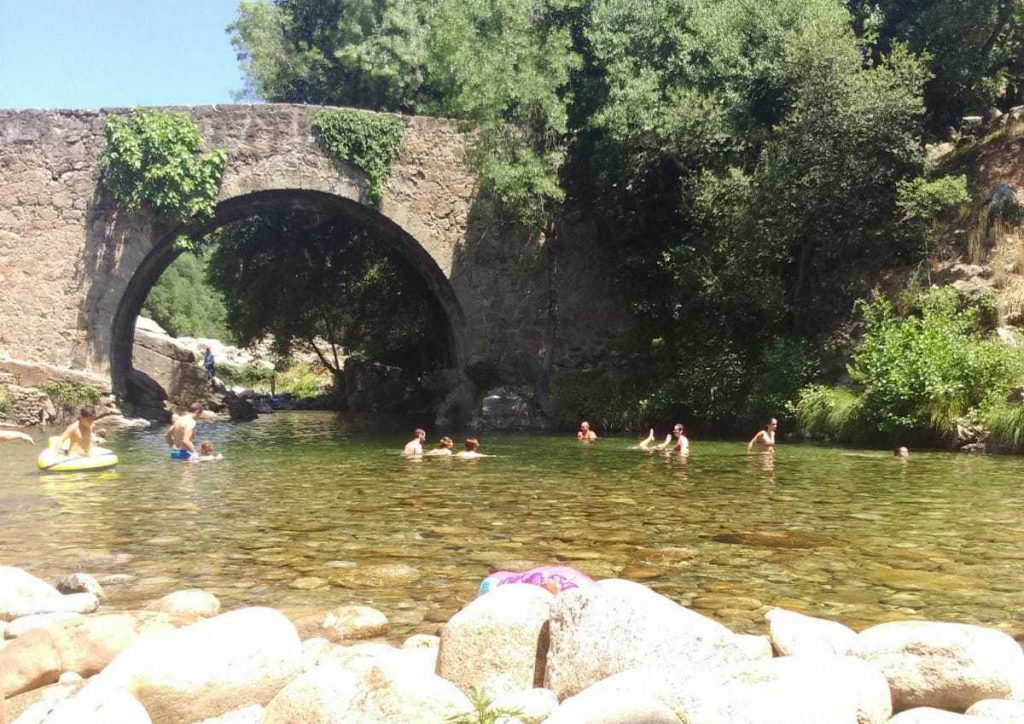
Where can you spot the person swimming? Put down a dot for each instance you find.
(470, 453)
(585, 434)
(206, 454)
(676, 442)
(443, 449)
(766, 437)
(12, 435)
(181, 434)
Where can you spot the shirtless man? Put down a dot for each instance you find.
(182, 432)
(12, 435)
(78, 435)
(585, 433)
(765, 438)
(414, 448)
(677, 442)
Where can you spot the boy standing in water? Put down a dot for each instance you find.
(78, 434)
(182, 432)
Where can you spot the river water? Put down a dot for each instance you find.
(304, 514)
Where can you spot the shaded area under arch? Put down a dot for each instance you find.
(316, 202)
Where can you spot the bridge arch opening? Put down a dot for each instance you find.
(411, 253)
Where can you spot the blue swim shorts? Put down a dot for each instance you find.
(180, 455)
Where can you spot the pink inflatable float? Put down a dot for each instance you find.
(553, 578)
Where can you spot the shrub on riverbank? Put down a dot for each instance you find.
(68, 397)
(914, 374)
(1005, 423)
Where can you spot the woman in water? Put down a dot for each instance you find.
(470, 453)
(676, 442)
(765, 438)
(443, 449)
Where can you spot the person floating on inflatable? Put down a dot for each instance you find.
(551, 578)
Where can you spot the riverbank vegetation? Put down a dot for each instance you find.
(754, 170)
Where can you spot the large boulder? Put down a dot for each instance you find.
(531, 706)
(252, 714)
(616, 700)
(80, 583)
(28, 662)
(498, 643)
(190, 602)
(620, 625)
(82, 644)
(99, 704)
(19, 626)
(793, 634)
(1002, 710)
(930, 715)
(344, 623)
(943, 665)
(22, 594)
(208, 668)
(168, 362)
(785, 690)
(369, 691)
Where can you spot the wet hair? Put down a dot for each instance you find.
(472, 444)
(446, 441)
(681, 427)
(206, 448)
(419, 431)
(87, 413)
(585, 423)
(194, 408)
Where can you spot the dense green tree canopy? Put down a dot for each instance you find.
(183, 302)
(322, 284)
(747, 162)
(974, 49)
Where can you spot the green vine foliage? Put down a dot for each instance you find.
(151, 159)
(369, 141)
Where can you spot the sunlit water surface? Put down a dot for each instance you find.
(304, 515)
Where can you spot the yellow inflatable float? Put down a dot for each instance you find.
(55, 460)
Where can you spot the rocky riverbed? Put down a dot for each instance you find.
(615, 652)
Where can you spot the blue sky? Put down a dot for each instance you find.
(108, 53)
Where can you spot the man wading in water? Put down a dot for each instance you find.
(182, 432)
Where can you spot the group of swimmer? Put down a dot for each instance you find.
(677, 442)
(80, 439)
(414, 448)
(180, 436)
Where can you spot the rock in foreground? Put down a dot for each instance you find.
(499, 642)
(943, 665)
(620, 625)
(204, 670)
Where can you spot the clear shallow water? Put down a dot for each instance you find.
(304, 515)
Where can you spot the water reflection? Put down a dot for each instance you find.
(305, 513)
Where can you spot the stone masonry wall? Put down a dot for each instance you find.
(69, 260)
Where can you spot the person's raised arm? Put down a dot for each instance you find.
(755, 439)
(664, 445)
(9, 435)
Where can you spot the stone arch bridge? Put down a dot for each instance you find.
(74, 271)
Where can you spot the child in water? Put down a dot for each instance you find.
(206, 454)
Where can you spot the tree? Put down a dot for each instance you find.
(184, 303)
(321, 284)
(975, 49)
